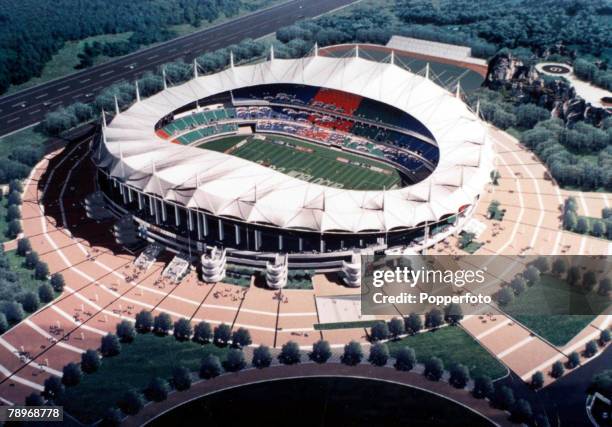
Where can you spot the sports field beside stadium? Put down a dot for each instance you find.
(310, 162)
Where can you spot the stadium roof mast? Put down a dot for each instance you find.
(478, 108)
(356, 51)
(427, 71)
(103, 119)
(195, 68)
(137, 91)
(458, 93)
(231, 59)
(271, 52)
(164, 78)
(316, 49)
(392, 59)
(117, 110)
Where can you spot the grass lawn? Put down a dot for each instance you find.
(453, 345)
(543, 308)
(148, 356)
(314, 163)
(223, 144)
(26, 277)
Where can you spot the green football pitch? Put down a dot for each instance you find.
(310, 162)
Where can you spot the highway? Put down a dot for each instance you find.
(29, 106)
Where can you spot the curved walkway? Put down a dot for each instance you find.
(279, 372)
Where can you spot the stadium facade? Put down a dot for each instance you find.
(191, 200)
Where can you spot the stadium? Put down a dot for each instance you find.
(292, 163)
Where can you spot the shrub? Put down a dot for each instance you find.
(379, 331)
(202, 333)
(14, 228)
(521, 412)
(414, 323)
(434, 369)
(557, 369)
(53, 388)
(157, 390)
(537, 380)
(31, 260)
(396, 327)
(234, 361)
(405, 359)
(453, 314)
(23, 246)
(112, 418)
(182, 329)
(290, 353)
(573, 360)
(144, 321)
(590, 349)
(483, 387)
(210, 367)
(45, 293)
(72, 375)
(110, 345)
(518, 284)
(162, 323)
(353, 354)
(604, 337)
(434, 318)
(57, 282)
(34, 399)
(13, 213)
(459, 375)
(132, 402)
(126, 331)
(558, 267)
(181, 378)
(41, 271)
(14, 198)
(30, 302)
(262, 358)
(222, 334)
(241, 338)
(503, 397)
(505, 296)
(605, 286)
(13, 311)
(90, 361)
(321, 352)
(541, 263)
(379, 354)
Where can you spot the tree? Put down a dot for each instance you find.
(353, 354)
(14, 198)
(396, 327)
(379, 354)
(14, 228)
(222, 334)
(57, 281)
(144, 321)
(126, 331)
(34, 399)
(23, 246)
(453, 314)
(528, 115)
(379, 331)
(405, 359)
(202, 333)
(599, 228)
(505, 296)
(504, 397)
(3, 323)
(321, 352)
(483, 387)
(132, 402)
(110, 345)
(45, 293)
(558, 267)
(182, 329)
(72, 375)
(157, 390)
(521, 412)
(518, 284)
(13, 312)
(234, 360)
(434, 368)
(262, 358)
(241, 338)
(570, 220)
(181, 378)
(573, 275)
(210, 367)
(31, 260)
(53, 388)
(90, 361)
(30, 302)
(162, 323)
(15, 186)
(13, 213)
(589, 280)
(573, 360)
(605, 286)
(541, 263)
(112, 418)
(532, 274)
(604, 337)
(590, 349)
(414, 323)
(41, 271)
(557, 369)
(459, 375)
(434, 319)
(582, 226)
(290, 354)
(537, 380)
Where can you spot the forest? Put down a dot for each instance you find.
(31, 31)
